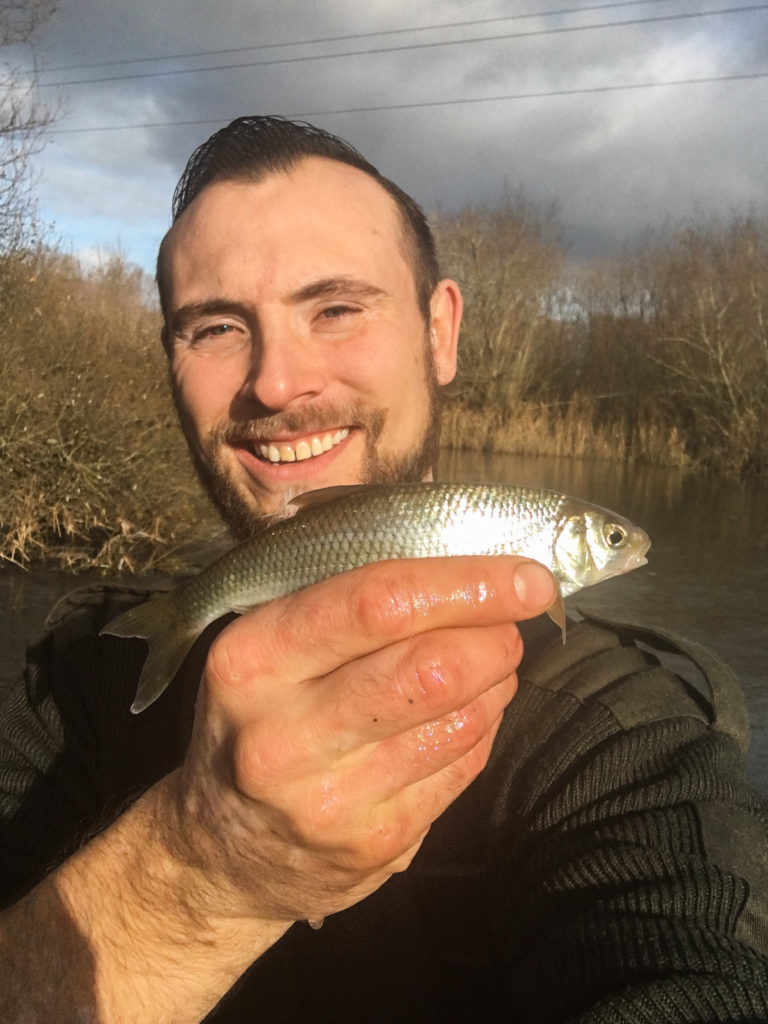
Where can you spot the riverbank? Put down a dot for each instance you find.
(541, 431)
(707, 575)
(658, 359)
(160, 526)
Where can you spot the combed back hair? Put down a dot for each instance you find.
(250, 148)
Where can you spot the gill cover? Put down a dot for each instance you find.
(573, 555)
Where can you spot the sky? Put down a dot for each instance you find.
(457, 101)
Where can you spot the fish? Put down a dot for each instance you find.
(335, 529)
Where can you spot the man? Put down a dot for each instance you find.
(314, 759)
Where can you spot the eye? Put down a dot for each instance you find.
(615, 535)
(334, 312)
(213, 335)
(214, 331)
(337, 318)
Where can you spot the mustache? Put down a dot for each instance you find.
(309, 420)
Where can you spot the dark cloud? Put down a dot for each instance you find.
(616, 162)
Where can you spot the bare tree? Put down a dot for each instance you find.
(24, 116)
(710, 298)
(507, 260)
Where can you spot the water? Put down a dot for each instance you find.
(707, 572)
(707, 576)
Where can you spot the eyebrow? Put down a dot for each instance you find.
(326, 287)
(330, 287)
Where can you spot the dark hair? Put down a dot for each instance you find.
(249, 148)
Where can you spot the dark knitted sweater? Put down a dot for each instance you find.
(609, 865)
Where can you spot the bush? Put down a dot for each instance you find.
(95, 473)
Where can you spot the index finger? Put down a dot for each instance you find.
(316, 630)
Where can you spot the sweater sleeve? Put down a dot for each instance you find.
(629, 860)
(71, 753)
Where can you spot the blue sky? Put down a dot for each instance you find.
(535, 108)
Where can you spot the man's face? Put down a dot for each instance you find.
(299, 356)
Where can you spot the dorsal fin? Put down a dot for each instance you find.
(326, 494)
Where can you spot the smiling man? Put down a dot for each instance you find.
(301, 351)
(352, 754)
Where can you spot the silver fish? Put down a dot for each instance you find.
(340, 528)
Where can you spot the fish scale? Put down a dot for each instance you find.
(400, 522)
(342, 528)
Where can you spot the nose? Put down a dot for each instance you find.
(284, 371)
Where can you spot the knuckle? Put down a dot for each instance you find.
(319, 814)
(261, 761)
(299, 619)
(382, 843)
(380, 604)
(220, 665)
(466, 727)
(445, 669)
(361, 843)
(321, 819)
(425, 676)
(450, 737)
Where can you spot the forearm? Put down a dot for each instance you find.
(114, 935)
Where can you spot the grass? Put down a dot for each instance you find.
(535, 429)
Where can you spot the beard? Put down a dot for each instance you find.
(240, 509)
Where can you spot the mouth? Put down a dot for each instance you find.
(639, 558)
(277, 451)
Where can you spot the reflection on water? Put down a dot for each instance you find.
(707, 572)
(707, 576)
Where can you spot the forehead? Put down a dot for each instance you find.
(319, 210)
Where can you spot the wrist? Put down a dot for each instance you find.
(143, 915)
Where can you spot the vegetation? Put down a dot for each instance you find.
(23, 115)
(660, 357)
(94, 472)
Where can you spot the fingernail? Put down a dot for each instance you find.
(534, 585)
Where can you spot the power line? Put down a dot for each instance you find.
(357, 35)
(413, 46)
(545, 94)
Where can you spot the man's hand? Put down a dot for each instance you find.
(336, 724)
(332, 728)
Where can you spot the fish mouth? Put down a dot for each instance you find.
(280, 451)
(639, 558)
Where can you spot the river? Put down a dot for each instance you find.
(707, 576)
(707, 572)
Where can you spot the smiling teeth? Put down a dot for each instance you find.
(303, 449)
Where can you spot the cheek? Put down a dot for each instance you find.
(383, 363)
(204, 388)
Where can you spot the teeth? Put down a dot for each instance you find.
(303, 449)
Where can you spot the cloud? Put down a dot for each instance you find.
(616, 161)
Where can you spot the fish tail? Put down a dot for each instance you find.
(169, 638)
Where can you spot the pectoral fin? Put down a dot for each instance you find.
(556, 612)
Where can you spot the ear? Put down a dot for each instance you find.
(445, 306)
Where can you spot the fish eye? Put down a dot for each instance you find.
(615, 535)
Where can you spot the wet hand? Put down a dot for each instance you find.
(336, 724)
